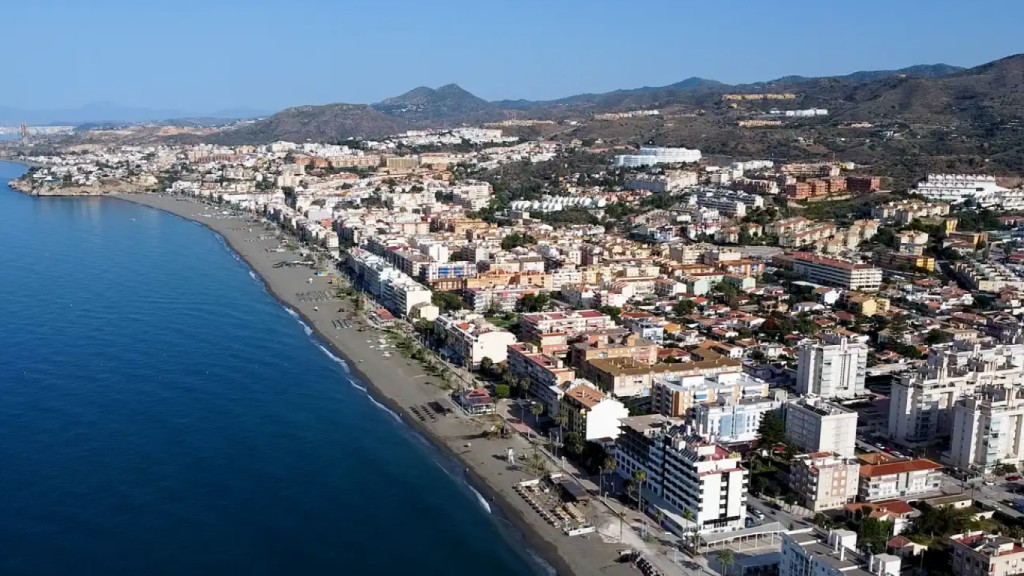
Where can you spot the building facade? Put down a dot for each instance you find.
(832, 367)
(819, 426)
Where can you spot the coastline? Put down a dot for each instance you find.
(400, 386)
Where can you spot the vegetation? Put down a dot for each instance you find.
(447, 301)
(772, 430)
(534, 302)
(516, 240)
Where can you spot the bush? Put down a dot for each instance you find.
(502, 391)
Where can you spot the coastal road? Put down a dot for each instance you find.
(788, 520)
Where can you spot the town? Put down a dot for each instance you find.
(792, 360)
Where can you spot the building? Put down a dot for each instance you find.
(613, 344)
(833, 367)
(981, 554)
(824, 480)
(958, 188)
(988, 276)
(678, 394)
(831, 272)
(684, 473)
(819, 426)
(730, 420)
(813, 552)
(496, 298)
(568, 323)
(625, 377)
(650, 156)
(921, 403)
(903, 479)
(987, 430)
(591, 413)
(546, 374)
(863, 184)
(912, 242)
(469, 338)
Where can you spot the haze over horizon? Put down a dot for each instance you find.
(239, 55)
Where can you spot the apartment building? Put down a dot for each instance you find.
(546, 374)
(730, 203)
(814, 552)
(906, 211)
(396, 291)
(958, 188)
(569, 323)
(921, 404)
(625, 377)
(613, 344)
(500, 298)
(834, 366)
(988, 430)
(472, 195)
(989, 276)
(824, 480)
(905, 479)
(678, 394)
(863, 184)
(831, 272)
(650, 156)
(728, 419)
(675, 180)
(912, 242)
(591, 413)
(819, 426)
(981, 554)
(684, 473)
(403, 295)
(469, 338)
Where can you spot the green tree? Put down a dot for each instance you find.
(486, 365)
(537, 409)
(726, 557)
(640, 477)
(684, 307)
(874, 533)
(562, 419)
(446, 301)
(772, 430)
(534, 302)
(574, 444)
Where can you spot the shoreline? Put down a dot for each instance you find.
(394, 384)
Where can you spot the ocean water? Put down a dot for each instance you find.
(160, 413)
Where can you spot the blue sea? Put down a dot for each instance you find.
(161, 413)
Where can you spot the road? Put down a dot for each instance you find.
(991, 496)
(790, 521)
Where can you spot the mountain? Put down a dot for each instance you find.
(449, 102)
(328, 123)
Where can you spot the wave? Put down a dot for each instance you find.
(480, 498)
(254, 276)
(384, 408)
(294, 314)
(547, 568)
(340, 362)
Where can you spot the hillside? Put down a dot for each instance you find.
(449, 102)
(329, 123)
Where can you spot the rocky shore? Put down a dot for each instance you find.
(404, 388)
(32, 189)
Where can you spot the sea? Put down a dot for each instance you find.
(161, 413)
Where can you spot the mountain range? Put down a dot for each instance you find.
(109, 112)
(934, 93)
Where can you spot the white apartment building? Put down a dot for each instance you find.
(921, 403)
(831, 272)
(912, 242)
(650, 156)
(732, 420)
(568, 323)
(981, 554)
(677, 394)
(684, 473)
(833, 367)
(989, 276)
(902, 479)
(730, 203)
(403, 295)
(824, 480)
(469, 338)
(472, 195)
(668, 182)
(819, 426)
(591, 413)
(958, 188)
(988, 430)
(814, 552)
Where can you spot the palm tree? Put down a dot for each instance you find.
(688, 516)
(789, 500)
(639, 478)
(607, 467)
(562, 419)
(659, 517)
(725, 556)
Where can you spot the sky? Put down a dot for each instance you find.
(209, 55)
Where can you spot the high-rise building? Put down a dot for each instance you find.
(921, 403)
(833, 367)
(819, 426)
(987, 429)
(684, 472)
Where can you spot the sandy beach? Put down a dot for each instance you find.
(402, 386)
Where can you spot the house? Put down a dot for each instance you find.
(476, 402)
(896, 511)
(904, 547)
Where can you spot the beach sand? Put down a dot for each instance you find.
(404, 388)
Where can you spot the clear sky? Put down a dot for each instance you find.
(205, 55)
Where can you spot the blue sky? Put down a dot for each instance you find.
(207, 55)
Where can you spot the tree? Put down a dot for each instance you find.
(446, 301)
(574, 444)
(772, 430)
(502, 391)
(726, 557)
(659, 517)
(640, 477)
(688, 516)
(613, 311)
(534, 302)
(537, 409)
(607, 467)
(685, 307)
(936, 337)
(562, 419)
(789, 499)
(486, 365)
(822, 521)
(873, 533)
